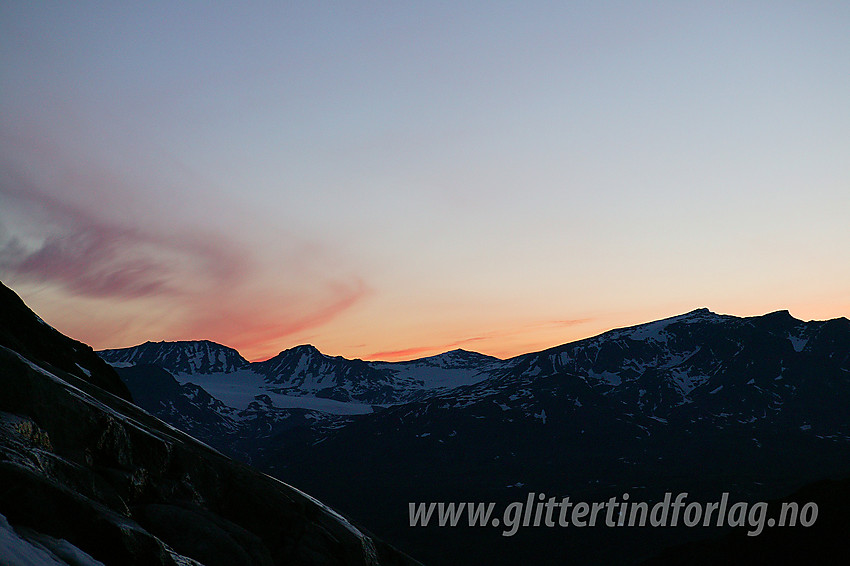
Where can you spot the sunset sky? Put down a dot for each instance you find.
(389, 180)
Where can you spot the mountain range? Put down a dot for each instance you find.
(700, 403)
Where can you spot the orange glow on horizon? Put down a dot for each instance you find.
(530, 338)
(256, 337)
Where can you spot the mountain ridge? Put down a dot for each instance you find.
(695, 314)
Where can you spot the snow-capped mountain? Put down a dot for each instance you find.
(303, 377)
(443, 371)
(304, 370)
(184, 357)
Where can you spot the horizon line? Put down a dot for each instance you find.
(375, 356)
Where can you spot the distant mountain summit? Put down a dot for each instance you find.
(305, 370)
(186, 357)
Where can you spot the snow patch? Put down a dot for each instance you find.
(608, 377)
(798, 342)
(654, 331)
(48, 551)
(433, 373)
(240, 388)
(686, 382)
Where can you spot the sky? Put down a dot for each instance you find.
(391, 180)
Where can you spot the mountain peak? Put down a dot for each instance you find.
(453, 359)
(781, 320)
(780, 314)
(208, 343)
(302, 353)
(701, 313)
(461, 351)
(182, 356)
(301, 350)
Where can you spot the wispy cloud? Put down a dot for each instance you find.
(96, 258)
(213, 285)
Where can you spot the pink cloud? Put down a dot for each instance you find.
(258, 327)
(212, 285)
(404, 353)
(92, 257)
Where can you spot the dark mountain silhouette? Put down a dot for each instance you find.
(192, 357)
